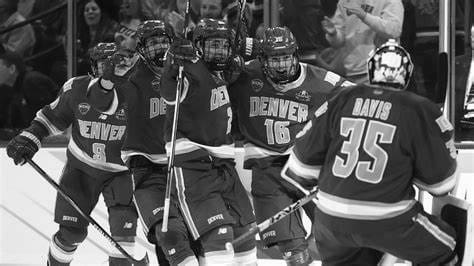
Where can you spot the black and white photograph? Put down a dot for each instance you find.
(237, 132)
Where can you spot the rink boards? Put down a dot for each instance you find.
(27, 205)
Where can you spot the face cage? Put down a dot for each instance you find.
(280, 68)
(154, 50)
(216, 52)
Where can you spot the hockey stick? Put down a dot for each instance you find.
(170, 172)
(242, 4)
(272, 220)
(85, 216)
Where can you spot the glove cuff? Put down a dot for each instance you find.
(31, 137)
(38, 130)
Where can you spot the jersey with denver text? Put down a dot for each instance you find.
(205, 114)
(145, 135)
(96, 137)
(270, 115)
(371, 145)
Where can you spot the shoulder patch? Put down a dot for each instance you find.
(68, 84)
(332, 78)
(444, 124)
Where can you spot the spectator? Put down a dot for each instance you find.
(256, 6)
(96, 26)
(232, 15)
(176, 13)
(154, 9)
(50, 33)
(358, 26)
(20, 40)
(303, 18)
(211, 9)
(130, 14)
(23, 91)
(130, 18)
(25, 7)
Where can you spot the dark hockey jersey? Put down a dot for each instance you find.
(369, 145)
(205, 114)
(96, 137)
(145, 135)
(270, 115)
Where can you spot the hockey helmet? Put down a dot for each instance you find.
(153, 40)
(98, 54)
(214, 38)
(390, 65)
(278, 56)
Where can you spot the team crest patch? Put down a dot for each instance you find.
(257, 84)
(155, 84)
(83, 108)
(303, 96)
(121, 114)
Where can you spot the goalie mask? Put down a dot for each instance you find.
(213, 38)
(153, 40)
(278, 56)
(98, 54)
(390, 65)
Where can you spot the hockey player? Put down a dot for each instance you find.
(144, 147)
(274, 97)
(365, 149)
(96, 109)
(214, 202)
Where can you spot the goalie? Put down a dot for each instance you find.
(365, 149)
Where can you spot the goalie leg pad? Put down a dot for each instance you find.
(175, 242)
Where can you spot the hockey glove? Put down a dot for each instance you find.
(234, 68)
(24, 145)
(182, 51)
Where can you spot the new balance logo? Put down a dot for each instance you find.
(103, 117)
(222, 231)
(128, 225)
(171, 251)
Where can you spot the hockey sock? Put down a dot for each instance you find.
(60, 254)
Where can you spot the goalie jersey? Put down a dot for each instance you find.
(270, 115)
(205, 114)
(96, 137)
(369, 145)
(145, 136)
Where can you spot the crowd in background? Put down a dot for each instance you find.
(336, 35)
